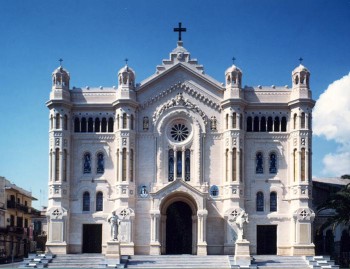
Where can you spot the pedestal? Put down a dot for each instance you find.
(113, 253)
(154, 248)
(202, 249)
(242, 253)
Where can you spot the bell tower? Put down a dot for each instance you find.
(59, 160)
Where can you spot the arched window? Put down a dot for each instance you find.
(226, 164)
(65, 122)
(90, 125)
(131, 165)
(124, 164)
(295, 165)
(57, 164)
(227, 121)
(132, 122)
(273, 163)
(234, 164)
(187, 165)
(241, 165)
(178, 164)
(87, 163)
(295, 121)
(259, 163)
(58, 121)
(97, 125)
(110, 125)
(51, 122)
(302, 167)
(76, 125)
(86, 201)
(124, 121)
(273, 201)
(302, 120)
(310, 121)
(284, 124)
(256, 124)
(277, 124)
(249, 124)
(99, 201)
(260, 202)
(171, 165)
(104, 125)
(100, 163)
(64, 172)
(234, 121)
(83, 125)
(269, 124)
(263, 124)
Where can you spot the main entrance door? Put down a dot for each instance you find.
(179, 229)
(92, 238)
(266, 239)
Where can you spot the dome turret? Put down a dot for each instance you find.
(233, 76)
(301, 76)
(126, 77)
(60, 78)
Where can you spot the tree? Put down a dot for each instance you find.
(339, 202)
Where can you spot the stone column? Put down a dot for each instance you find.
(202, 244)
(155, 245)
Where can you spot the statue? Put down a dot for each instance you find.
(240, 220)
(114, 221)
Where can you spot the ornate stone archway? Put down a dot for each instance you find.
(178, 191)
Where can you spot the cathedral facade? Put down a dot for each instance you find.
(177, 158)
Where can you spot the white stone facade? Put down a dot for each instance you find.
(180, 138)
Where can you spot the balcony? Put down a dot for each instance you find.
(13, 205)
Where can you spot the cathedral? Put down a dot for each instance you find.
(177, 157)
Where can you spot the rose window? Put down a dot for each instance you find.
(179, 132)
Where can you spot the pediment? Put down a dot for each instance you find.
(179, 187)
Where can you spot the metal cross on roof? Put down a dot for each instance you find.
(300, 60)
(60, 60)
(126, 61)
(180, 30)
(233, 60)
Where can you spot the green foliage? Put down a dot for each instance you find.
(339, 202)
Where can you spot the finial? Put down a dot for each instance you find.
(233, 60)
(60, 60)
(126, 61)
(180, 30)
(301, 60)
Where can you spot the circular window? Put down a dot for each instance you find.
(179, 132)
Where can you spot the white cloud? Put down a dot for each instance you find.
(332, 120)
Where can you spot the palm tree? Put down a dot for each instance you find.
(339, 203)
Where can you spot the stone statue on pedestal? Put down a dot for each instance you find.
(114, 221)
(240, 220)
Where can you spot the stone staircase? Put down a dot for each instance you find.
(321, 262)
(178, 261)
(279, 262)
(87, 260)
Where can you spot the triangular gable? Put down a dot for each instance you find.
(177, 185)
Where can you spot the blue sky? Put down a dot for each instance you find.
(94, 37)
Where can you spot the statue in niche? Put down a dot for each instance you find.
(213, 122)
(273, 169)
(114, 221)
(87, 163)
(145, 123)
(240, 220)
(259, 163)
(100, 164)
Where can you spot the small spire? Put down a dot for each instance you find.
(301, 60)
(126, 61)
(60, 60)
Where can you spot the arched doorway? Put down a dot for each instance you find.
(178, 224)
(179, 228)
